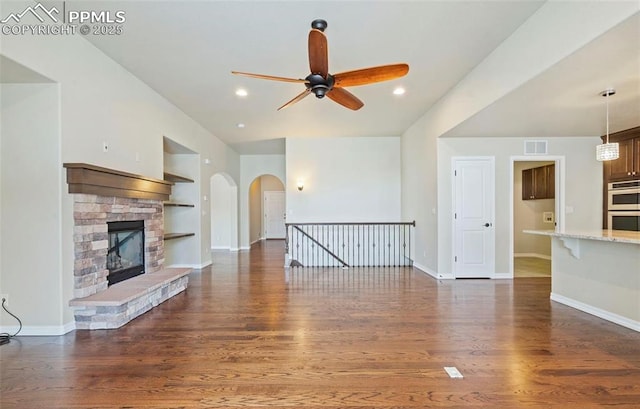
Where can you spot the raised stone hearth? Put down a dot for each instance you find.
(104, 195)
(126, 300)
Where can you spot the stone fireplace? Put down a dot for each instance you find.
(91, 213)
(129, 204)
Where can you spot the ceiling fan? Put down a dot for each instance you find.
(321, 83)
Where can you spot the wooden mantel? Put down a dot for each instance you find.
(95, 180)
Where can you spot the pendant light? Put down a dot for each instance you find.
(607, 151)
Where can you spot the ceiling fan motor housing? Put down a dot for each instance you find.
(319, 85)
(319, 24)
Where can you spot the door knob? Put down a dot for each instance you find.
(487, 224)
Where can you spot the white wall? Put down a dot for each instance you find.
(528, 215)
(102, 102)
(555, 31)
(30, 206)
(583, 188)
(223, 215)
(255, 210)
(602, 281)
(345, 179)
(420, 194)
(251, 167)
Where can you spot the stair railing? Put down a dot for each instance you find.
(349, 244)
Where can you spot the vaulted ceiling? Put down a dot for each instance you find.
(186, 50)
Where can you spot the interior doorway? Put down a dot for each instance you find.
(257, 206)
(536, 194)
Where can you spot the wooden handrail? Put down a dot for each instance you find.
(321, 246)
(413, 223)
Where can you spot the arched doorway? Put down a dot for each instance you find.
(224, 212)
(266, 208)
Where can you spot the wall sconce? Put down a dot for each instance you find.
(300, 184)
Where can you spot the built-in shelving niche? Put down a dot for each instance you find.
(181, 214)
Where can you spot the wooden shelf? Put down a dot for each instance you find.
(177, 204)
(96, 180)
(171, 236)
(170, 177)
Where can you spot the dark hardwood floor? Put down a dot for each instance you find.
(242, 336)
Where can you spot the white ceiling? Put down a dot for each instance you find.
(565, 100)
(186, 51)
(13, 73)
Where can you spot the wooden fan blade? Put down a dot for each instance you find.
(296, 99)
(345, 98)
(370, 75)
(318, 53)
(267, 77)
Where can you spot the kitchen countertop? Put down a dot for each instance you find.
(620, 236)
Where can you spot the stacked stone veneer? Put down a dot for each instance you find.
(128, 299)
(90, 235)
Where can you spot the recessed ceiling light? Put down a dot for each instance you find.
(241, 92)
(399, 91)
(240, 125)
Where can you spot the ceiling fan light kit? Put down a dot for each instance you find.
(321, 83)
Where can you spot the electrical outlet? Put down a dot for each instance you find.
(5, 298)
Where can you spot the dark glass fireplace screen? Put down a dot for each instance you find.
(125, 257)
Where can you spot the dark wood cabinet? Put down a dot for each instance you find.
(538, 183)
(636, 155)
(626, 167)
(551, 181)
(527, 184)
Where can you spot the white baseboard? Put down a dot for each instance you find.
(244, 248)
(600, 313)
(220, 248)
(255, 241)
(40, 330)
(194, 266)
(535, 255)
(502, 276)
(430, 272)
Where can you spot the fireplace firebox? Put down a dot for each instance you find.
(125, 256)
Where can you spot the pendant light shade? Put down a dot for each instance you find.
(608, 151)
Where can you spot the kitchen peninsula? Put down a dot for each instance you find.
(597, 272)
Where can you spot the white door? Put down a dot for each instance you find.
(474, 210)
(274, 215)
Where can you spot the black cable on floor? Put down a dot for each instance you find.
(6, 337)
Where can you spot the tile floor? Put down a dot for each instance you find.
(531, 267)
